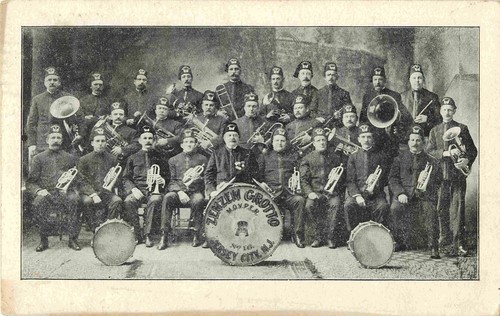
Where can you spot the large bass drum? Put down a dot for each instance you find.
(243, 225)
(114, 242)
(372, 245)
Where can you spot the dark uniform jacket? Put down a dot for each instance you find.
(94, 167)
(301, 125)
(214, 123)
(363, 163)
(248, 126)
(236, 92)
(135, 173)
(437, 145)
(46, 169)
(173, 127)
(130, 136)
(281, 101)
(178, 165)
(96, 105)
(142, 101)
(405, 171)
(225, 164)
(315, 168)
(277, 168)
(312, 92)
(423, 98)
(190, 95)
(351, 134)
(332, 98)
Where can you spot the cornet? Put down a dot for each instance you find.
(192, 174)
(294, 182)
(333, 178)
(256, 133)
(457, 151)
(112, 177)
(372, 180)
(348, 147)
(298, 140)
(65, 179)
(423, 178)
(153, 178)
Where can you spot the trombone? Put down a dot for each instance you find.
(225, 99)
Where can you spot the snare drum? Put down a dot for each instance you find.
(243, 225)
(114, 242)
(371, 244)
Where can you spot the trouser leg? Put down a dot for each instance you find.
(299, 212)
(170, 201)
(379, 209)
(457, 213)
(197, 206)
(355, 214)
(334, 209)
(399, 222)
(130, 206)
(431, 223)
(443, 209)
(154, 203)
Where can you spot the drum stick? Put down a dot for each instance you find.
(425, 107)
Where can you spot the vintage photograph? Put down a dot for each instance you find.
(250, 153)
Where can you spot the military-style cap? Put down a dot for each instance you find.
(303, 65)
(188, 133)
(51, 71)
(275, 70)
(118, 106)
(54, 129)
(417, 130)
(301, 99)
(209, 95)
(280, 132)
(231, 127)
(448, 101)
(365, 128)
(184, 69)
(96, 76)
(251, 97)
(416, 68)
(330, 66)
(97, 132)
(378, 71)
(147, 129)
(349, 108)
(318, 132)
(163, 101)
(232, 61)
(141, 72)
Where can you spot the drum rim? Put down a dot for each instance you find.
(107, 222)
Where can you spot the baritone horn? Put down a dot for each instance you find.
(153, 178)
(65, 179)
(63, 108)
(372, 180)
(294, 182)
(202, 133)
(112, 177)
(333, 178)
(423, 178)
(348, 147)
(457, 150)
(192, 174)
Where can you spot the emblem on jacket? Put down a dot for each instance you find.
(239, 165)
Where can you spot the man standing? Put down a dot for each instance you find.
(277, 106)
(47, 168)
(187, 94)
(413, 197)
(456, 162)
(140, 100)
(331, 98)
(168, 131)
(300, 129)
(422, 104)
(304, 72)
(349, 132)
(95, 104)
(250, 122)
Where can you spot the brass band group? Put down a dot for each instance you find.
(401, 161)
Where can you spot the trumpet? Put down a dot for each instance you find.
(65, 179)
(154, 178)
(423, 178)
(112, 177)
(333, 178)
(372, 180)
(225, 100)
(192, 174)
(294, 182)
(457, 150)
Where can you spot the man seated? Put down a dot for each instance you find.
(250, 122)
(300, 129)
(167, 130)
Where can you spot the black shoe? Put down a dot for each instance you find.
(298, 242)
(435, 254)
(462, 252)
(148, 242)
(316, 243)
(73, 244)
(331, 245)
(400, 247)
(196, 241)
(163, 242)
(44, 244)
(205, 245)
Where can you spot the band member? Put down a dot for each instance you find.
(454, 163)
(277, 167)
(349, 131)
(230, 161)
(95, 104)
(277, 106)
(418, 98)
(367, 171)
(145, 183)
(186, 187)
(236, 88)
(168, 131)
(315, 169)
(250, 122)
(40, 119)
(331, 98)
(43, 180)
(414, 191)
(304, 72)
(187, 94)
(139, 100)
(94, 168)
(299, 130)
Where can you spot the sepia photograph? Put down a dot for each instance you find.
(250, 153)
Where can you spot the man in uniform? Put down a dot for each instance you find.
(451, 194)
(418, 98)
(236, 88)
(304, 72)
(139, 100)
(276, 167)
(187, 94)
(44, 175)
(250, 122)
(139, 189)
(277, 106)
(95, 105)
(229, 162)
(315, 169)
(331, 98)
(94, 167)
(349, 131)
(185, 191)
(414, 203)
(303, 123)
(363, 204)
(168, 131)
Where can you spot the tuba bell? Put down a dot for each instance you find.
(63, 108)
(457, 149)
(382, 111)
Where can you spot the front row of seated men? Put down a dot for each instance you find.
(358, 194)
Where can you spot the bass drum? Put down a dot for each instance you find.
(114, 242)
(372, 244)
(243, 225)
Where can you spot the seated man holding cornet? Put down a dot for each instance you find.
(56, 200)
(186, 186)
(101, 172)
(145, 177)
(323, 182)
(413, 181)
(367, 171)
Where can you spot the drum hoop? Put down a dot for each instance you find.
(106, 223)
